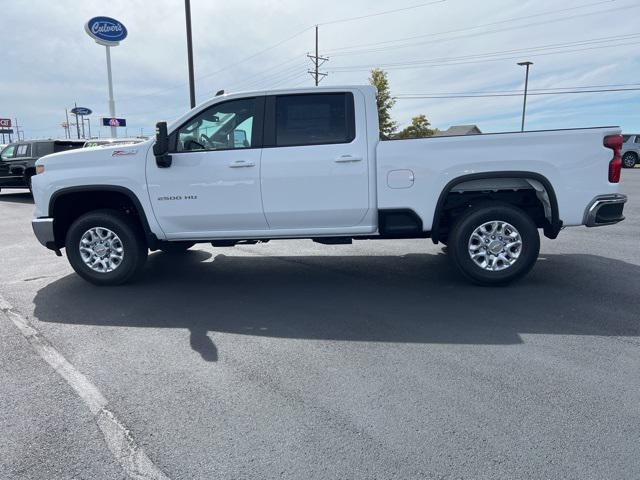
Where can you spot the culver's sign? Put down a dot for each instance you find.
(106, 30)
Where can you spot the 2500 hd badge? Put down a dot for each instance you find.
(178, 197)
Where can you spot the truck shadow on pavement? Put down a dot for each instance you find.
(413, 298)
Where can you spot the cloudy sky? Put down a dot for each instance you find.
(430, 49)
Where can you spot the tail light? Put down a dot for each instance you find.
(614, 142)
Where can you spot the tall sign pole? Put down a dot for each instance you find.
(526, 86)
(112, 102)
(192, 85)
(109, 32)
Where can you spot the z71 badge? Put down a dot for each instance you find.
(122, 153)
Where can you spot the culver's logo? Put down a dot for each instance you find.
(106, 30)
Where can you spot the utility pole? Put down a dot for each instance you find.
(88, 119)
(77, 125)
(317, 62)
(192, 86)
(18, 130)
(67, 131)
(526, 85)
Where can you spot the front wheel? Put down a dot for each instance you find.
(105, 247)
(629, 160)
(494, 244)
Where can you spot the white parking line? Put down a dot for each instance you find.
(118, 438)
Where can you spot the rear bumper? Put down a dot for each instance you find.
(605, 210)
(43, 230)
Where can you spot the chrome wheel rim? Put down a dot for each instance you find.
(101, 250)
(495, 245)
(628, 160)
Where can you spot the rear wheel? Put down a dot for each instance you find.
(105, 247)
(494, 244)
(629, 159)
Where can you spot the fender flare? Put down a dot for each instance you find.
(550, 231)
(149, 235)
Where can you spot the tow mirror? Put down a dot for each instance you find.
(161, 147)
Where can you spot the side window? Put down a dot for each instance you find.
(225, 126)
(637, 140)
(23, 150)
(7, 153)
(314, 119)
(43, 148)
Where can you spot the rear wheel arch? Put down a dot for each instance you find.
(68, 204)
(551, 227)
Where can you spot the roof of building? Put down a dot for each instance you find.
(459, 130)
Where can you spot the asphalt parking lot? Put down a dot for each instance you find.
(296, 360)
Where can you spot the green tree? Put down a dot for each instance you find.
(384, 101)
(419, 128)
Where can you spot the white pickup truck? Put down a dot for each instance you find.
(308, 163)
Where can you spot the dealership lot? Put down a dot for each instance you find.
(295, 360)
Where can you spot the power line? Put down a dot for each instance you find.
(343, 52)
(565, 92)
(387, 12)
(275, 45)
(168, 89)
(616, 38)
(519, 92)
(440, 63)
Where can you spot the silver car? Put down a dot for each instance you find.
(630, 150)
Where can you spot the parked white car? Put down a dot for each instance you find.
(308, 163)
(630, 150)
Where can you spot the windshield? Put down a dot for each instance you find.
(7, 152)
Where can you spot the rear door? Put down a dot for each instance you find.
(314, 165)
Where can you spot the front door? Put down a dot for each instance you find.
(315, 173)
(212, 188)
(6, 157)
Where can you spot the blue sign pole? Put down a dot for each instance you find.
(112, 103)
(109, 32)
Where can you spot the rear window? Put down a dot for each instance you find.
(314, 119)
(61, 146)
(43, 148)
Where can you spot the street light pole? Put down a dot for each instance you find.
(192, 87)
(526, 85)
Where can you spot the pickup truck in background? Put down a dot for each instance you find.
(308, 163)
(18, 160)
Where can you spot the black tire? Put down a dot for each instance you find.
(460, 237)
(131, 238)
(173, 248)
(629, 159)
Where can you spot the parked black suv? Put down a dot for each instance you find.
(18, 160)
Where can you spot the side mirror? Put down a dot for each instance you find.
(161, 147)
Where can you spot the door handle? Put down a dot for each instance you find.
(347, 159)
(241, 164)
